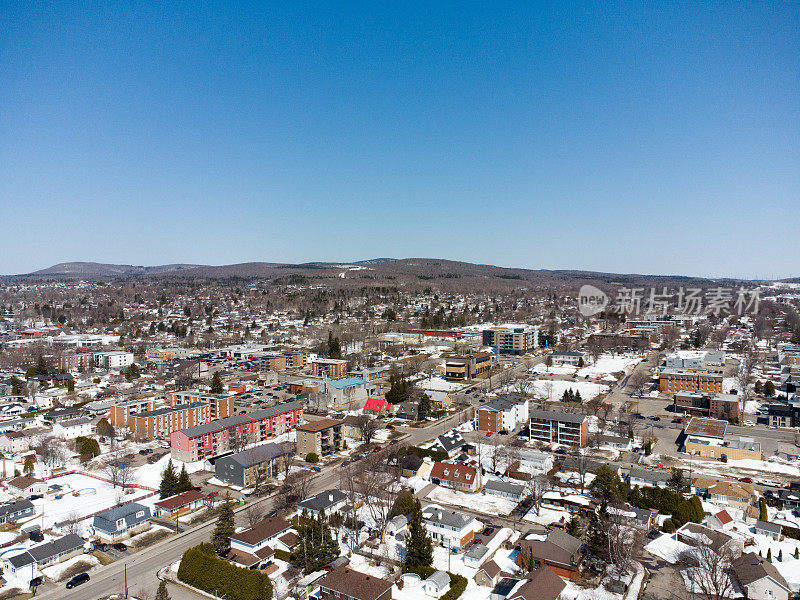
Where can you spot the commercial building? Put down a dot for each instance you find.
(702, 361)
(672, 381)
(558, 427)
(707, 438)
(463, 368)
(223, 435)
(322, 437)
(707, 404)
(512, 339)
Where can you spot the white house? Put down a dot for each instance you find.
(759, 578)
(449, 528)
(437, 584)
(73, 428)
(26, 486)
(13, 442)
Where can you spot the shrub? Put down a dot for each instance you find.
(201, 568)
(458, 584)
(282, 554)
(312, 457)
(669, 526)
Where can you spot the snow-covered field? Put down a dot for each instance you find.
(439, 384)
(610, 363)
(554, 390)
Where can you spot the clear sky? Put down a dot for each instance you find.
(643, 137)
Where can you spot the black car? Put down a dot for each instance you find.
(77, 580)
(653, 535)
(119, 546)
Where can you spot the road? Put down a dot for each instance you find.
(141, 567)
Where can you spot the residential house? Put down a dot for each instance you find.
(559, 551)
(759, 579)
(69, 429)
(120, 521)
(16, 510)
(330, 501)
(439, 399)
(179, 504)
(255, 545)
(16, 424)
(573, 503)
(26, 486)
(437, 584)
(504, 489)
(572, 359)
(450, 442)
(396, 525)
(322, 437)
(407, 410)
(476, 555)
(345, 583)
(727, 493)
(457, 476)
(414, 466)
(449, 528)
(13, 442)
(377, 406)
(248, 468)
(720, 520)
(28, 564)
(541, 584)
(639, 476)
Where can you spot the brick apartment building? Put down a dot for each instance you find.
(71, 362)
(220, 436)
(161, 422)
(271, 362)
(323, 437)
(221, 404)
(502, 413)
(296, 359)
(332, 368)
(120, 413)
(671, 381)
(462, 368)
(557, 427)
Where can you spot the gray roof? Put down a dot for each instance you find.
(553, 415)
(503, 402)
(75, 422)
(107, 520)
(440, 578)
(16, 506)
(46, 551)
(765, 526)
(168, 409)
(450, 518)
(477, 551)
(564, 541)
(257, 455)
(322, 501)
(504, 486)
(449, 441)
(648, 475)
(749, 568)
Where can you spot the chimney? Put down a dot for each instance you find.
(330, 497)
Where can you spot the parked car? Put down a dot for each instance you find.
(655, 418)
(560, 451)
(119, 547)
(749, 423)
(745, 480)
(77, 580)
(489, 434)
(35, 496)
(677, 420)
(315, 469)
(653, 535)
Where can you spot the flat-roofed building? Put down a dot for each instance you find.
(512, 339)
(568, 429)
(222, 405)
(707, 404)
(332, 368)
(322, 437)
(463, 368)
(671, 381)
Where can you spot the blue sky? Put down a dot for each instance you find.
(641, 137)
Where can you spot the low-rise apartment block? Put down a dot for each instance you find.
(221, 404)
(249, 467)
(503, 413)
(463, 368)
(322, 437)
(672, 381)
(332, 368)
(560, 428)
(120, 412)
(705, 404)
(220, 436)
(162, 422)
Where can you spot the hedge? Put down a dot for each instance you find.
(790, 532)
(458, 584)
(201, 568)
(282, 554)
(425, 452)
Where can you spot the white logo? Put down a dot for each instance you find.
(591, 300)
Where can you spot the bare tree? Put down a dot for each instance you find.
(621, 540)
(254, 513)
(535, 488)
(367, 426)
(639, 383)
(72, 523)
(118, 468)
(709, 569)
(376, 488)
(744, 376)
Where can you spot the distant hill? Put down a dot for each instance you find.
(94, 270)
(410, 273)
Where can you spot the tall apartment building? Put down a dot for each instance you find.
(671, 381)
(71, 362)
(161, 422)
(221, 404)
(462, 368)
(223, 435)
(512, 340)
(323, 437)
(560, 428)
(120, 412)
(113, 360)
(331, 368)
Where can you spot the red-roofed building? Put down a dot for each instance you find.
(721, 520)
(455, 475)
(180, 504)
(377, 406)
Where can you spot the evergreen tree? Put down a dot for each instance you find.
(27, 468)
(424, 408)
(769, 389)
(677, 483)
(184, 483)
(573, 527)
(216, 384)
(607, 484)
(769, 554)
(225, 527)
(762, 511)
(797, 552)
(578, 396)
(581, 364)
(419, 548)
(315, 547)
(780, 555)
(169, 481)
(162, 593)
(596, 537)
(104, 428)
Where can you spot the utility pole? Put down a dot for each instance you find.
(125, 579)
